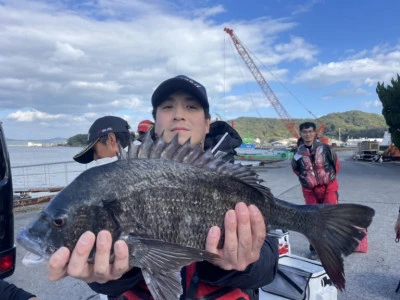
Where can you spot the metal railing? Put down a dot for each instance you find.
(44, 176)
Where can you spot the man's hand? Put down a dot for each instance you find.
(245, 233)
(62, 263)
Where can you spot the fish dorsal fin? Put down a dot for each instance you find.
(133, 150)
(122, 155)
(188, 154)
(145, 147)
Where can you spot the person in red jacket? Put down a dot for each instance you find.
(316, 165)
(142, 129)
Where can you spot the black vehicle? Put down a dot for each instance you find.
(7, 246)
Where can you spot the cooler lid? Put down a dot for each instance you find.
(311, 266)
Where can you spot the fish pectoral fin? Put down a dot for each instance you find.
(163, 256)
(163, 286)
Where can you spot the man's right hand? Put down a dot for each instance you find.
(62, 263)
(245, 232)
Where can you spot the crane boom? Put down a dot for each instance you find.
(283, 114)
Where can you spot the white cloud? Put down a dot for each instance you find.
(33, 115)
(105, 86)
(372, 103)
(209, 12)
(348, 92)
(131, 103)
(66, 63)
(242, 103)
(11, 83)
(298, 48)
(66, 52)
(305, 7)
(366, 67)
(52, 53)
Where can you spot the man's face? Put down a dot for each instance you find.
(308, 135)
(110, 149)
(181, 114)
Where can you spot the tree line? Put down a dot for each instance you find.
(390, 98)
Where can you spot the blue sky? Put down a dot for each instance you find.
(65, 63)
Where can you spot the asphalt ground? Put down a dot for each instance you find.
(371, 275)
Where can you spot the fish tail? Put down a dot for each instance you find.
(342, 227)
(333, 230)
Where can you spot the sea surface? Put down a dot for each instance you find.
(24, 155)
(44, 167)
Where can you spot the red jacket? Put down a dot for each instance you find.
(316, 167)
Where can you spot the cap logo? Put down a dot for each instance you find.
(191, 81)
(101, 131)
(106, 129)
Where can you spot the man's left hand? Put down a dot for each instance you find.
(245, 233)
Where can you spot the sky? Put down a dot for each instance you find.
(65, 63)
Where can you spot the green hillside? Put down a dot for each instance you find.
(352, 124)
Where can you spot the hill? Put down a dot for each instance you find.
(352, 124)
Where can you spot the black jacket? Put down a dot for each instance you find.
(222, 137)
(10, 291)
(256, 275)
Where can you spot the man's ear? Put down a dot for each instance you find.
(112, 138)
(208, 122)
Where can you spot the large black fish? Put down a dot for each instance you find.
(162, 198)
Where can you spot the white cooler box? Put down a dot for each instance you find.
(283, 241)
(299, 278)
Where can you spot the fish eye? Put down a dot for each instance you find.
(60, 222)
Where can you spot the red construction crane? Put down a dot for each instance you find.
(283, 114)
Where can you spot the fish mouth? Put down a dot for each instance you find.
(31, 259)
(34, 246)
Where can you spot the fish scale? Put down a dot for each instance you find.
(176, 202)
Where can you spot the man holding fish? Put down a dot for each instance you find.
(165, 200)
(248, 258)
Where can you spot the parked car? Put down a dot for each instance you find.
(7, 246)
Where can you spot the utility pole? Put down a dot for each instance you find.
(339, 135)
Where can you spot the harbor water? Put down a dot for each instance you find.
(43, 167)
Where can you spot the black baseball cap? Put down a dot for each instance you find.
(101, 127)
(180, 83)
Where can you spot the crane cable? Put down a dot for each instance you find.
(224, 80)
(281, 83)
(242, 77)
